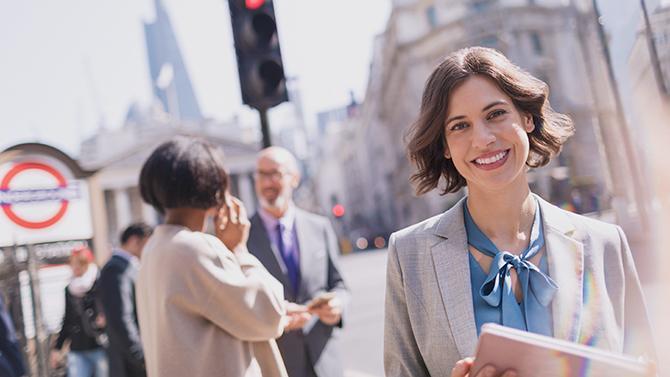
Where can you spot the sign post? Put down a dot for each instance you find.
(44, 210)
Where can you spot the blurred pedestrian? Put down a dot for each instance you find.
(83, 322)
(300, 250)
(117, 293)
(206, 307)
(502, 254)
(11, 360)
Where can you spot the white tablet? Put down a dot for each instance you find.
(533, 355)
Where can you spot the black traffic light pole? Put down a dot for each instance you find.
(259, 62)
(265, 127)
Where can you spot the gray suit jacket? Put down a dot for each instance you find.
(317, 349)
(429, 320)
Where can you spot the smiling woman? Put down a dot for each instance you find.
(512, 87)
(502, 254)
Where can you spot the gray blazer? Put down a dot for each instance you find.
(316, 350)
(429, 319)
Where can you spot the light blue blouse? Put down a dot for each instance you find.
(492, 294)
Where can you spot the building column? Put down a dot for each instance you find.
(123, 210)
(246, 192)
(148, 214)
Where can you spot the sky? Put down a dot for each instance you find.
(69, 67)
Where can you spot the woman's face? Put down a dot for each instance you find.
(78, 267)
(486, 135)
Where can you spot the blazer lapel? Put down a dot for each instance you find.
(305, 232)
(265, 251)
(450, 258)
(566, 267)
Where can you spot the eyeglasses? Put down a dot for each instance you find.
(275, 175)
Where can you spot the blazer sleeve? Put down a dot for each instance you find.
(402, 357)
(638, 339)
(116, 293)
(335, 281)
(235, 293)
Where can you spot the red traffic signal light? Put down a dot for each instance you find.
(253, 4)
(338, 210)
(259, 61)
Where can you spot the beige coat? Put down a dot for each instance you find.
(204, 311)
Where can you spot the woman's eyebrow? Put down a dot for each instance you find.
(457, 117)
(490, 105)
(494, 103)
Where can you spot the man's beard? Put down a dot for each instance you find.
(278, 204)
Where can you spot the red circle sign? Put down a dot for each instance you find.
(7, 207)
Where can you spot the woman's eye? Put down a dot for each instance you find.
(458, 126)
(496, 113)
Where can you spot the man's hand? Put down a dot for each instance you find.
(297, 316)
(232, 225)
(329, 312)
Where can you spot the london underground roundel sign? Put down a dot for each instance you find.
(29, 183)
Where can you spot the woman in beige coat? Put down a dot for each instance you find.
(206, 307)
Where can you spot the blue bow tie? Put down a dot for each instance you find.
(497, 288)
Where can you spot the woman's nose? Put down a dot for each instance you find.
(482, 136)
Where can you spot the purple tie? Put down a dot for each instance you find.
(289, 257)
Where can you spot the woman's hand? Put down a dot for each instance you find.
(462, 369)
(100, 321)
(54, 359)
(232, 225)
(330, 312)
(297, 316)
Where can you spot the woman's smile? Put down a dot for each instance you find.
(492, 160)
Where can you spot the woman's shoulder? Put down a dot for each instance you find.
(183, 243)
(200, 243)
(418, 230)
(441, 225)
(583, 226)
(423, 235)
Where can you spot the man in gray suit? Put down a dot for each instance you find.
(300, 250)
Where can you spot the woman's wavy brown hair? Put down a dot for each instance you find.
(426, 139)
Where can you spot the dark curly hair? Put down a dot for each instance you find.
(184, 172)
(426, 140)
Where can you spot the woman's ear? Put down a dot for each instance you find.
(529, 125)
(447, 154)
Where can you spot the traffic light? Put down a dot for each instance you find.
(338, 210)
(259, 60)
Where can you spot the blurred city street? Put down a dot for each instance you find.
(362, 337)
(83, 114)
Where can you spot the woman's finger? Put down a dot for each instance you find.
(461, 368)
(226, 199)
(241, 211)
(233, 210)
(221, 218)
(487, 371)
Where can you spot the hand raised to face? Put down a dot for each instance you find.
(232, 224)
